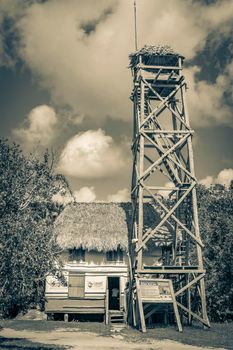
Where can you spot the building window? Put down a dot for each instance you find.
(115, 255)
(76, 255)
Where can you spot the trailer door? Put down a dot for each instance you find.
(76, 285)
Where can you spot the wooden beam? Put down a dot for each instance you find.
(140, 308)
(166, 103)
(151, 312)
(144, 66)
(195, 217)
(164, 132)
(106, 306)
(174, 161)
(176, 271)
(194, 315)
(196, 239)
(165, 154)
(161, 105)
(195, 280)
(164, 219)
(141, 170)
(175, 308)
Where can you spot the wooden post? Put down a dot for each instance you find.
(141, 170)
(176, 311)
(134, 311)
(140, 308)
(195, 218)
(106, 307)
(166, 316)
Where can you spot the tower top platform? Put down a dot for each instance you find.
(155, 55)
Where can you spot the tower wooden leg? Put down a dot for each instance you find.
(141, 314)
(203, 302)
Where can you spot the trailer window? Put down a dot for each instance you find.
(115, 255)
(76, 255)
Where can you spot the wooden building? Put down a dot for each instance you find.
(93, 238)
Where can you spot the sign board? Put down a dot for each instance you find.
(95, 284)
(156, 290)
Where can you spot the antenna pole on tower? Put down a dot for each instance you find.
(135, 25)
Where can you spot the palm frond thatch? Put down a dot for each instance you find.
(93, 226)
(155, 55)
(102, 226)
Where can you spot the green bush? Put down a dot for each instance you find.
(28, 249)
(216, 224)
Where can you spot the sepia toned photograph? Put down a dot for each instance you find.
(116, 174)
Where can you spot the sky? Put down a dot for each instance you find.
(65, 84)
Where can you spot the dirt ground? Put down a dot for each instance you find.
(76, 339)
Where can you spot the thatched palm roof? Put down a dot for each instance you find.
(99, 226)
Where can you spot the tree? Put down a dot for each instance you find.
(216, 224)
(28, 249)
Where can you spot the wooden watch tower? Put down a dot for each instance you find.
(162, 152)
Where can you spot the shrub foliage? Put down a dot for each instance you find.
(216, 224)
(28, 249)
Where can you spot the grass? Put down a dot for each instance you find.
(24, 344)
(46, 326)
(219, 335)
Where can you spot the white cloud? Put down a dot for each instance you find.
(207, 181)
(224, 178)
(85, 194)
(165, 193)
(63, 198)
(120, 196)
(39, 128)
(88, 72)
(91, 154)
(206, 101)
